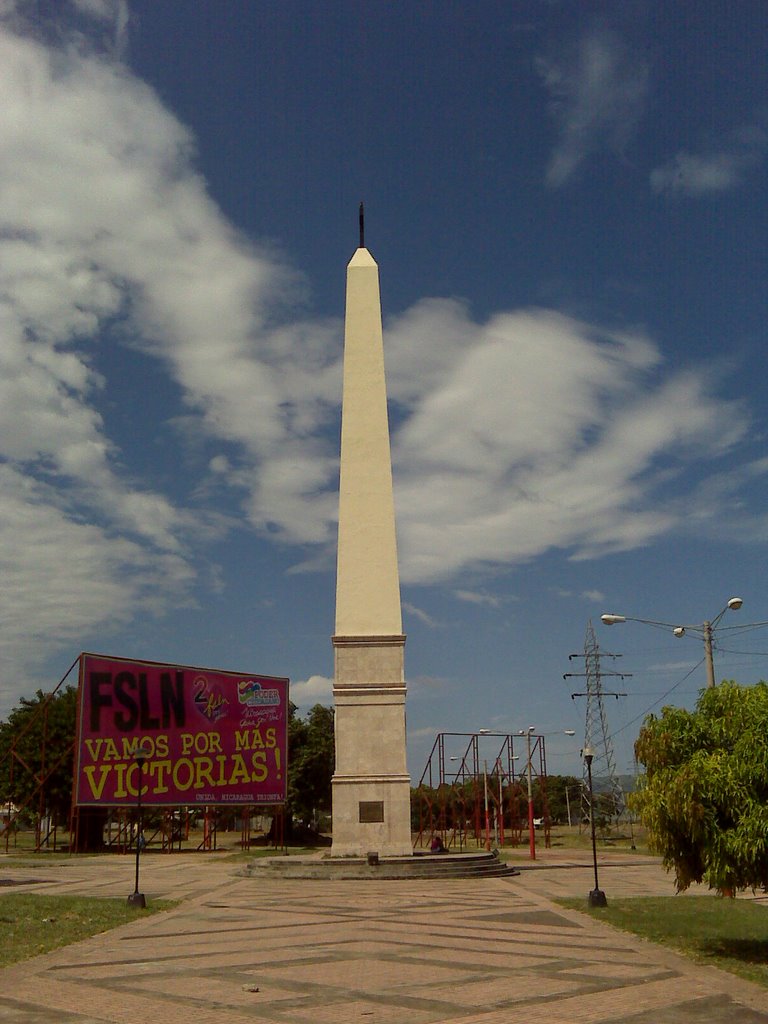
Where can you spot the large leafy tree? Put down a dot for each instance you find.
(704, 796)
(36, 753)
(311, 759)
(557, 803)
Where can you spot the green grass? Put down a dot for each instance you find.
(730, 934)
(31, 924)
(563, 837)
(624, 839)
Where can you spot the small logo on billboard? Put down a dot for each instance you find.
(208, 700)
(252, 694)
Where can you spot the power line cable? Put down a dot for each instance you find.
(733, 630)
(657, 702)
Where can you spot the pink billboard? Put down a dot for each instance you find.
(209, 737)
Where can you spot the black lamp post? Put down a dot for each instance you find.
(136, 899)
(597, 897)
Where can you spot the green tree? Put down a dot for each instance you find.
(36, 753)
(311, 760)
(557, 802)
(704, 795)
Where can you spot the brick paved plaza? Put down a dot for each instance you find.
(240, 951)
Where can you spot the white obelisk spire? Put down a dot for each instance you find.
(371, 786)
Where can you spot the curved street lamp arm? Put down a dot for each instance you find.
(611, 619)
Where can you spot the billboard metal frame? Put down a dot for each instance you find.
(208, 737)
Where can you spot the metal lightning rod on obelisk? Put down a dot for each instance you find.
(371, 785)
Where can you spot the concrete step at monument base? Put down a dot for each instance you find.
(419, 866)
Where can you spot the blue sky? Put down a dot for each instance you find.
(567, 205)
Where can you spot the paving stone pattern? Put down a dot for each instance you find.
(245, 950)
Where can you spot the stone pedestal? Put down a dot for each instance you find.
(371, 786)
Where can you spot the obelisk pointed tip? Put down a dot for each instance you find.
(362, 225)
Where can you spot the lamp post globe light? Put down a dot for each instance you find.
(140, 756)
(596, 898)
(705, 630)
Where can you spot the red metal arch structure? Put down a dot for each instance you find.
(474, 790)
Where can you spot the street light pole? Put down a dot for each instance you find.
(706, 630)
(597, 897)
(531, 826)
(137, 899)
(485, 797)
(528, 773)
(500, 811)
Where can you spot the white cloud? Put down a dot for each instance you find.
(59, 573)
(430, 731)
(308, 692)
(106, 235)
(715, 171)
(598, 94)
(476, 597)
(420, 614)
(114, 14)
(670, 666)
(103, 10)
(541, 432)
(585, 595)
(513, 436)
(722, 497)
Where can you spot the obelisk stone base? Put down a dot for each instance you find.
(371, 785)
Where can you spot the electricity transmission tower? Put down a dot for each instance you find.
(609, 797)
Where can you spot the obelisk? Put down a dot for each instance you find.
(371, 785)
